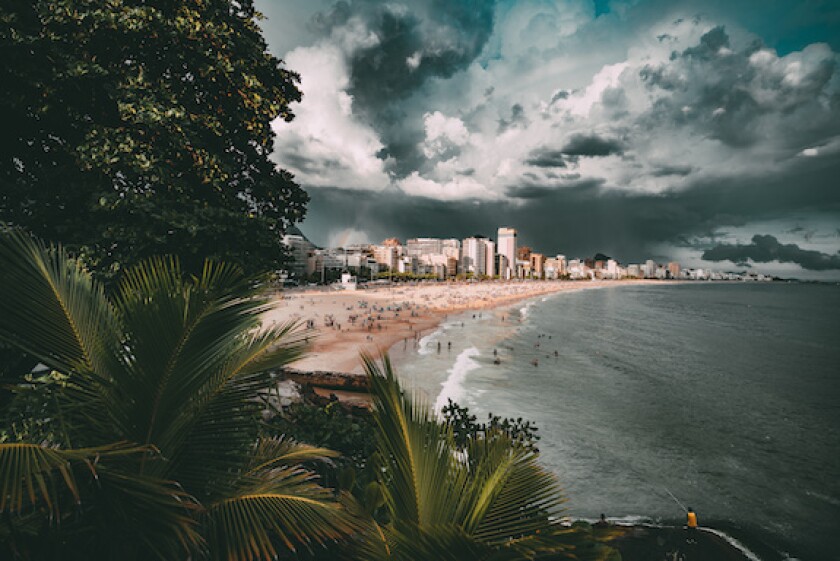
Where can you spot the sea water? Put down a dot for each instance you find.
(726, 395)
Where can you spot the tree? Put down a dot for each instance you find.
(487, 500)
(149, 443)
(134, 128)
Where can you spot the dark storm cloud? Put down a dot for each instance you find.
(442, 37)
(710, 44)
(591, 145)
(546, 158)
(723, 94)
(766, 249)
(581, 220)
(311, 165)
(574, 186)
(664, 171)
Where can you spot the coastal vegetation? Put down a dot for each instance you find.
(142, 436)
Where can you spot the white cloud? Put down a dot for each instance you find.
(326, 144)
(414, 60)
(443, 134)
(458, 187)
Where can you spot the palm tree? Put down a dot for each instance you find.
(490, 500)
(151, 444)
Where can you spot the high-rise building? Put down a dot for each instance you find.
(555, 267)
(489, 258)
(423, 246)
(674, 270)
(300, 249)
(650, 269)
(537, 265)
(474, 255)
(387, 255)
(451, 248)
(506, 240)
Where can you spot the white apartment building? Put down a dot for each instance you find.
(474, 256)
(506, 239)
(387, 255)
(612, 269)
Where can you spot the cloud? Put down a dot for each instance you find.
(327, 144)
(444, 135)
(460, 187)
(546, 158)
(591, 145)
(416, 42)
(766, 249)
(685, 125)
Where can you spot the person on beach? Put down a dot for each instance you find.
(691, 519)
(602, 522)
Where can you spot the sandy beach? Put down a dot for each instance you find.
(344, 323)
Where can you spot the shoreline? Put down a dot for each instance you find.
(738, 543)
(345, 323)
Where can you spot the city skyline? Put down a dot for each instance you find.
(479, 256)
(707, 132)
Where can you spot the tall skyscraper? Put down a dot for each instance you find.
(473, 256)
(506, 239)
(490, 258)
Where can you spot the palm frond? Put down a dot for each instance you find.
(416, 452)
(280, 513)
(271, 453)
(176, 334)
(51, 308)
(145, 514)
(192, 339)
(510, 494)
(31, 475)
(215, 430)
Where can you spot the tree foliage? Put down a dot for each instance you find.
(134, 128)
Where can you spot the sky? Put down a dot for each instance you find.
(703, 131)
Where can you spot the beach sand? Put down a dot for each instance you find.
(343, 323)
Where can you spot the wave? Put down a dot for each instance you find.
(453, 387)
(523, 311)
(734, 543)
(424, 345)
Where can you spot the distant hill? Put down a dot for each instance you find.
(295, 231)
(601, 257)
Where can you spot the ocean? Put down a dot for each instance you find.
(724, 395)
